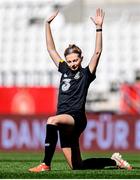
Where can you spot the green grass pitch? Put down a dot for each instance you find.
(15, 166)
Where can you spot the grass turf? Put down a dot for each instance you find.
(15, 166)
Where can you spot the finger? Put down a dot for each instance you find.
(103, 15)
(97, 12)
(54, 15)
(101, 12)
(56, 12)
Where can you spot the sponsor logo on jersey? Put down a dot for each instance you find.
(65, 75)
(77, 75)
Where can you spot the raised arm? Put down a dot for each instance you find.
(50, 42)
(98, 21)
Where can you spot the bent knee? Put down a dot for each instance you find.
(52, 120)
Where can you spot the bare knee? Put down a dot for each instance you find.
(73, 158)
(52, 120)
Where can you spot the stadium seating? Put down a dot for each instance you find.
(25, 61)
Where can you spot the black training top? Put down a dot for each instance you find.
(73, 88)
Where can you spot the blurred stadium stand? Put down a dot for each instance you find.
(24, 60)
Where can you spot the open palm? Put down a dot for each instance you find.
(99, 17)
(50, 19)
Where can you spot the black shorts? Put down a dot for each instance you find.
(69, 135)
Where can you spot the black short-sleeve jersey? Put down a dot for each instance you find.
(73, 88)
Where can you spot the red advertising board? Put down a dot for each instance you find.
(104, 132)
(130, 98)
(28, 100)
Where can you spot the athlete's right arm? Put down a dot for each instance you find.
(50, 42)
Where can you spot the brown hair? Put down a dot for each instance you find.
(73, 49)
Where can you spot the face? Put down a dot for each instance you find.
(73, 61)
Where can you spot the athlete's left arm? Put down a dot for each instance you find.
(98, 21)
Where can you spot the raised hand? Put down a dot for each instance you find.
(99, 17)
(50, 19)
